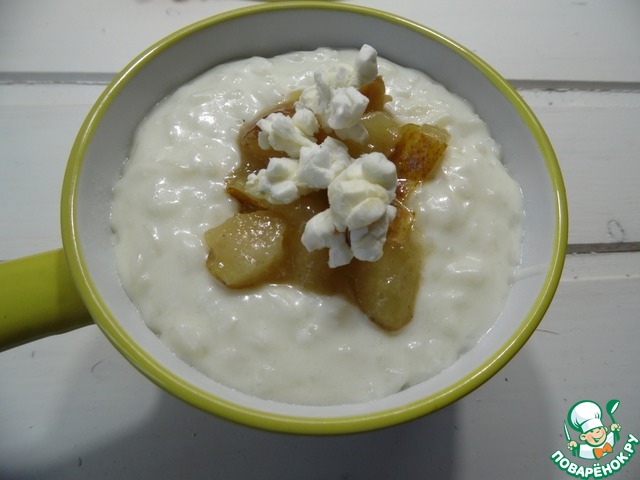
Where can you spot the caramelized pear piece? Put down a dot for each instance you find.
(383, 131)
(416, 155)
(386, 290)
(375, 92)
(236, 187)
(246, 248)
(306, 269)
(250, 149)
(401, 226)
(256, 157)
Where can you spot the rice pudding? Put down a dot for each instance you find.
(280, 342)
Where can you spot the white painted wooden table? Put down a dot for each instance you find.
(71, 407)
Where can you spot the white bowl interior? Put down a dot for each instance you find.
(268, 32)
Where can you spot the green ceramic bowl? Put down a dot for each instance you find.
(269, 29)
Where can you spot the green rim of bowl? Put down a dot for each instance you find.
(283, 423)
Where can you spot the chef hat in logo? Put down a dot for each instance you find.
(585, 416)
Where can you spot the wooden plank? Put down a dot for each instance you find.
(595, 135)
(38, 125)
(540, 41)
(580, 352)
(570, 40)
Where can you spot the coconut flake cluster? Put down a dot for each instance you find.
(360, 191)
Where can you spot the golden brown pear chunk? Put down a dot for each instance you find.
(383, 135)
(246, 248)
(309, 270)
(386, 290)
(375, 92)
(416, 155)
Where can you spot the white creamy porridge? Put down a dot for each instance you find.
(278, 342)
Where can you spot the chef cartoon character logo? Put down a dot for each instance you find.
(600, 446)
(596, 439)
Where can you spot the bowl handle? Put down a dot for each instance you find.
(38, 298)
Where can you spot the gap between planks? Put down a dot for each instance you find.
(613, 247)
(98, 78)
